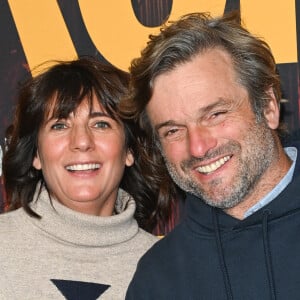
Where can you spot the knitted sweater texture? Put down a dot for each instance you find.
(67, 254)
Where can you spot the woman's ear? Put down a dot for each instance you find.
(129, 158)
(37, 162)
(272, 110)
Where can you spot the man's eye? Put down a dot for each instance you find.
(218, 114)
(171, 132)
(58, 126)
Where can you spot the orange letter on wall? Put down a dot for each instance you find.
(117, 33)
(275, 21)
(42, 31)
(120, 37)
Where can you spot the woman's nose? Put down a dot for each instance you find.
(81, 138)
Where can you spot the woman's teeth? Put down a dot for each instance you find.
(83, 167)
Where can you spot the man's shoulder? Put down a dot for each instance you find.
(165, 248)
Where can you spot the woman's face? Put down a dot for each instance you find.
(82, 159)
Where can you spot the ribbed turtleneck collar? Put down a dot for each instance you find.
(69, 226)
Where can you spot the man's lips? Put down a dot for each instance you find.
(83, 167)
(213, 166)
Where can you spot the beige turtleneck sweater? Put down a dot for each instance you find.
(69, 255)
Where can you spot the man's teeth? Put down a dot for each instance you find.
(83, 167)
(214, 166)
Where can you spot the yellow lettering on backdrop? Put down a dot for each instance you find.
(117, 33)
(179, 8)
(119, 36)
(275, 21)
(42, 31)
(114, 29)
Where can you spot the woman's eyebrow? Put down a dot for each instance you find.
(95, 114)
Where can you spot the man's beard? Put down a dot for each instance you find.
(259, 153)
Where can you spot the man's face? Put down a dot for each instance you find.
(212, 143)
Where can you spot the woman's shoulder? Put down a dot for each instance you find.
(12, 232)
(11, 221)
(145, 239)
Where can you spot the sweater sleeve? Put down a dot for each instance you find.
(6, 289)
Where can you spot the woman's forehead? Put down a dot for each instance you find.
(62, 107)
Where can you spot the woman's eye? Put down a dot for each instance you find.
(58, 126)
(102, 124)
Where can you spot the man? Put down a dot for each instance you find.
(206, 91)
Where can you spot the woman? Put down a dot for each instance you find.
(70, 167)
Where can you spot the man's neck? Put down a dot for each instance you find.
(271, 177)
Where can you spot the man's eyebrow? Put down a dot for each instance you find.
(219, 103)
(164, 124)
(202, 111)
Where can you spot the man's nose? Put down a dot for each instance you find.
(200, 140)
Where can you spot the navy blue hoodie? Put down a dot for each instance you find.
(212, 255)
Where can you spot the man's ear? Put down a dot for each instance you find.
(272, 110)
(129, 158)
(37, 162)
